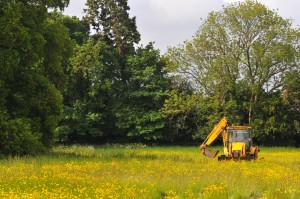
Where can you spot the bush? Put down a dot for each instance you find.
(17, 138)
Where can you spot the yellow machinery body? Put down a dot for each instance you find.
(237, 141)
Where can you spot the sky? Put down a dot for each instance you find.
(169, 23)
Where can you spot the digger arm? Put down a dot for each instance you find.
(212, 136)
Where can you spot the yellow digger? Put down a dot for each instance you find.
(237, 142)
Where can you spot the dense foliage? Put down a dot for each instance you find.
(34, 52)
(62, 82)
(116, 89)
(241, 60)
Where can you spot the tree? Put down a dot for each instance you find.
(181, 113)
(291, 95)
(139, 114)
(89, 99)
(57, 51)
(33, 53)
(115, 27)
(116, 90)
(244, 44)
(79, 30)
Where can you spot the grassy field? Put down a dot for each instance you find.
(149, 172)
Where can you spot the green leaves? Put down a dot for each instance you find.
(34, 51)
(179, 103)
(17, 138)
(237, 59)
(112, 23)
(147, 88)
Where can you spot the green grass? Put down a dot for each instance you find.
(136, 171)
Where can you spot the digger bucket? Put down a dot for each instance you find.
(207, 152)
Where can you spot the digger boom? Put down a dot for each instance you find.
(212, 136)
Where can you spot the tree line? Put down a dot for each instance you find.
(89, 81)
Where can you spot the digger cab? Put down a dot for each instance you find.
(239, 141)
(240, 134)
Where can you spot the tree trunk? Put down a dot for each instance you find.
(253, 100)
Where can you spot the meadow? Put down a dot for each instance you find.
(137, 171)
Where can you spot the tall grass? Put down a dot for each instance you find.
(137, 171)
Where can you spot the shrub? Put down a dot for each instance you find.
(17, 138)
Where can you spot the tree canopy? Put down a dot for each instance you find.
(239, 56)
(61, 82)
(34, 51)
(116, 89)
